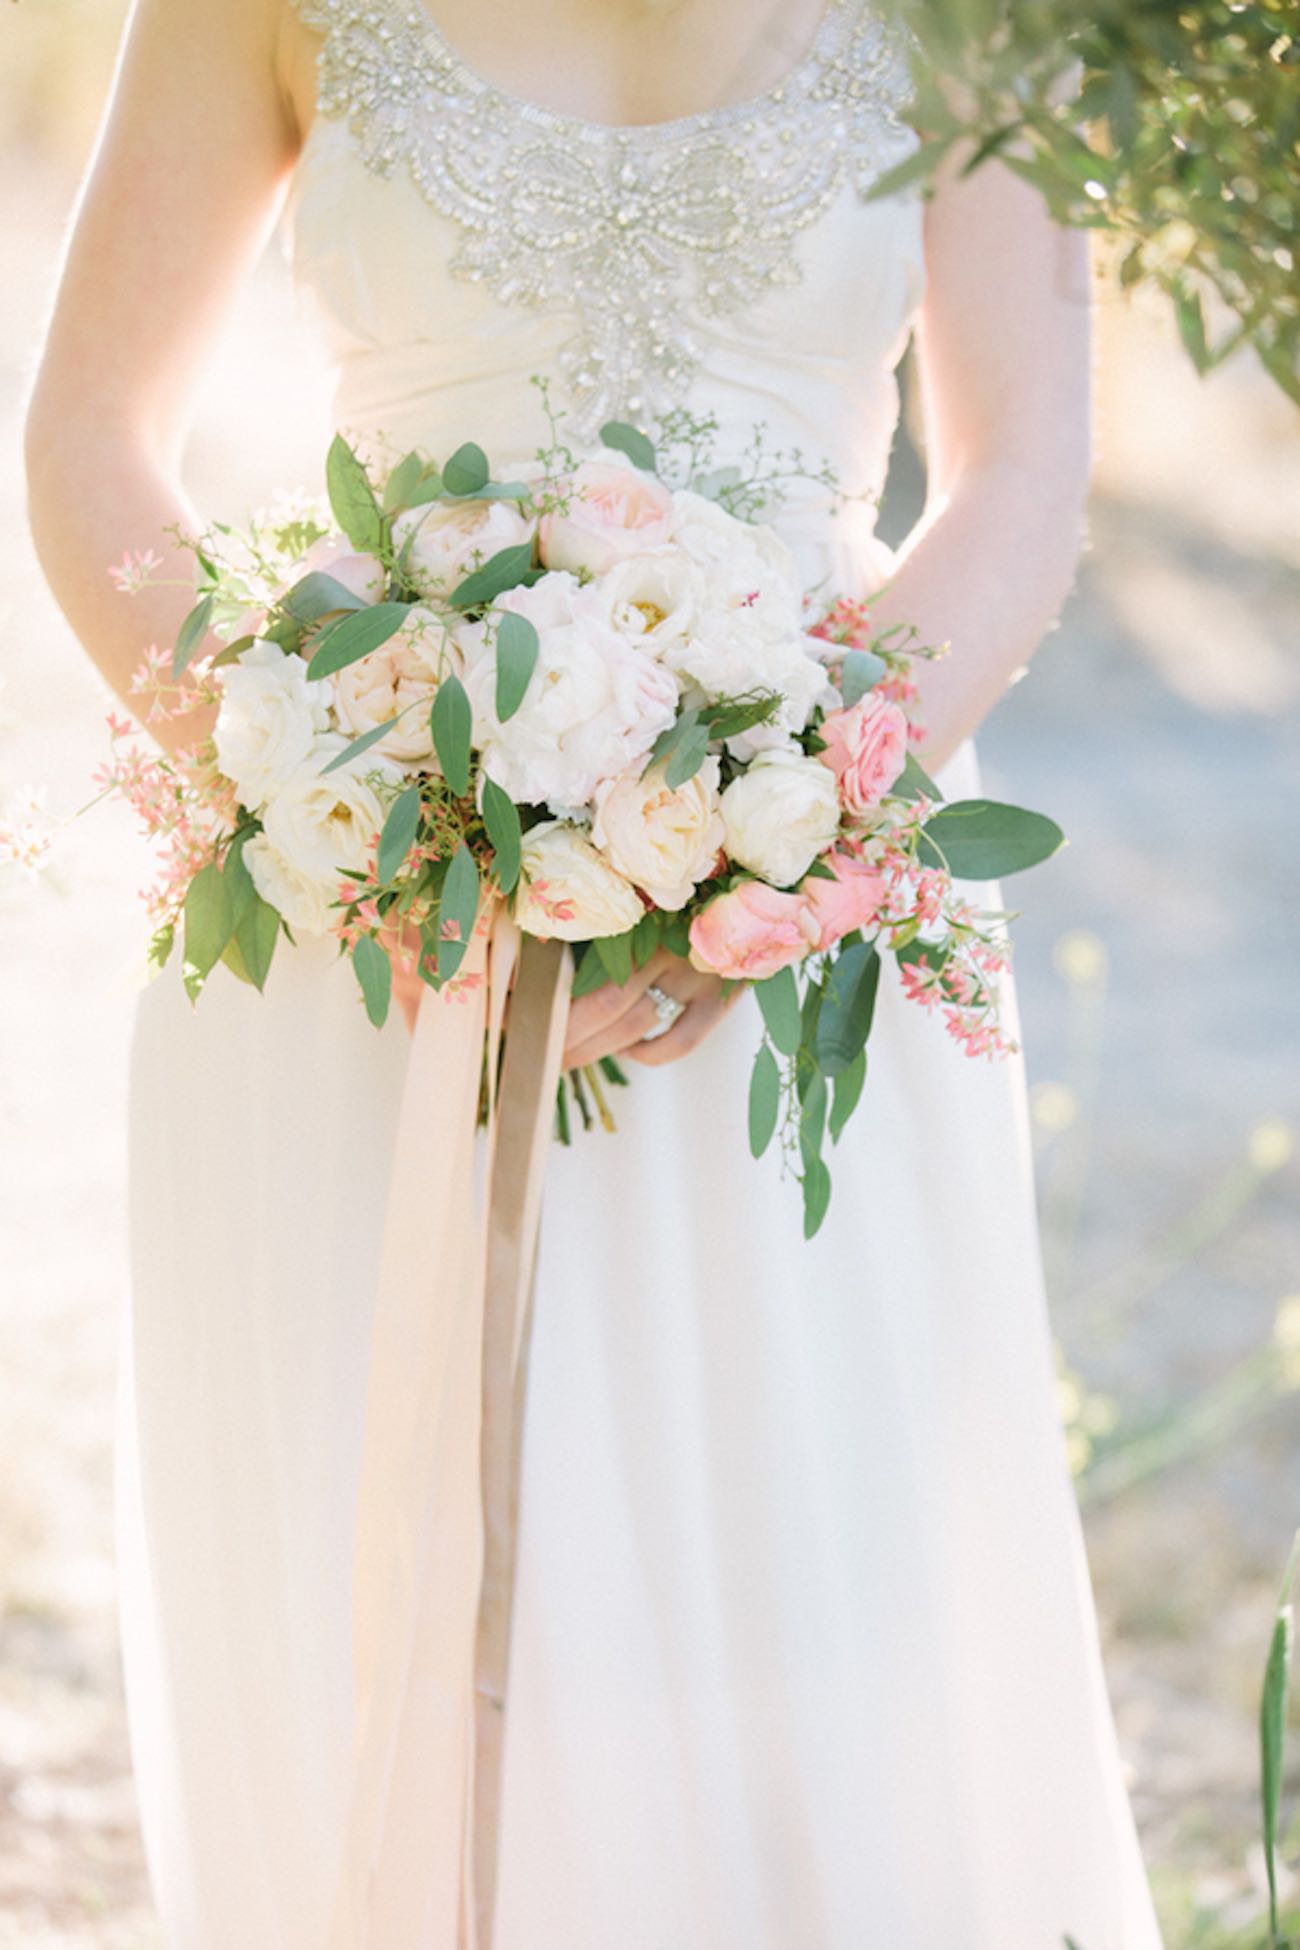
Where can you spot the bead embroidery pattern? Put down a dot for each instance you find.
(627, 226)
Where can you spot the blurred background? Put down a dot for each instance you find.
(1157, 961)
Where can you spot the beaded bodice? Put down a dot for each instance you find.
(621, 224)
(456, 238)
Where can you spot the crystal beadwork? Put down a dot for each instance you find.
(631, 227)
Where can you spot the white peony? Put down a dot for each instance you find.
(448, 539)
(656, 600)
(323, 824)
(568, 891)
(269, 714)
(595, 703)
(733, 652)
(779, 815)
(746, 564)
(401, 676)
(665, 841)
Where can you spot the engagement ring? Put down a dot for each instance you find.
(667, 1010)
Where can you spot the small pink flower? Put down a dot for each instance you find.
(852, 899)
(753, 931)
(866, 747)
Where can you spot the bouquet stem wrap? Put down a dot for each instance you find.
(438, 1495)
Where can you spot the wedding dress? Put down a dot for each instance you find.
(804, 1651)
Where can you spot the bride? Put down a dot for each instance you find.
(804, 1654)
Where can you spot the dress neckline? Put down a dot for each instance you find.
(542, 115)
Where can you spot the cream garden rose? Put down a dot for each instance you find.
(322, 824)
(443, 541)
(269, 715)
(664, 841)
(613, 511)
(568, 890)
(400, 677)
(779, 814)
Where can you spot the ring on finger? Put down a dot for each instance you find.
(667, 1009)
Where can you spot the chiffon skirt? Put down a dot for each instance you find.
(804, 1654)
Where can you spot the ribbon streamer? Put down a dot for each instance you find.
(438, 1492)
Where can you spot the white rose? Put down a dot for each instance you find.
(654, 599)
(323, 824)
(594, 705)
(269, 714)
(450, 538)
(779, 815)
(567, 890)
(301, 898)
(401, 676)
(665, 841)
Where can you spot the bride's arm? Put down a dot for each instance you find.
(1003, 350)
(185, 184)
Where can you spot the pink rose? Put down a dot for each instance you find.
(851, 900)
(334, 555)
(614, 511)
(751, 932)
(866, 748)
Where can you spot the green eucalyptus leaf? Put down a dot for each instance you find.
(501, 818)
(629, 440)
(764, 1101)
(209, 923)
(914, 782)
(502, 571)
(816, 1196)
(316, 595)
(591, 973)
(403, 482)
(862, 670)
(615, 951)
(778, 998)
(688, 755)
(467, 472)
(191, 634)
(517, 646)
(398, 835)
(359, 745)
(352, 498)
(848, 1006)
(813, 1103)
(353, 637)
(256, 937)
(374, 972)
(847, 1090)
(457, 910)
(645, 936)
(452, 723)
(981, 839)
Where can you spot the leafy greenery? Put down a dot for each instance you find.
(1181, 140)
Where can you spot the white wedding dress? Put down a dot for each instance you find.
(804, 1652)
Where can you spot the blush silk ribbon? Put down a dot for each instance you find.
(439, 1485)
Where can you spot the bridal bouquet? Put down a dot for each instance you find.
(590, 686)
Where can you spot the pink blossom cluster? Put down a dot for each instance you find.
(174, 808)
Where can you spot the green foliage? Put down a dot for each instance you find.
(1182, 139)
(452, 726)
(374, 972)
(517, 649)
(979, 839)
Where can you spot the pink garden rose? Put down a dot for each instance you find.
(866, 748)
(851, 900)
(752, 932)
(614, 511)
(334, 555)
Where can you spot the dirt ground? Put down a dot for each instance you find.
(1156, 957)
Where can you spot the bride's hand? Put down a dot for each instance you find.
(613, 1021)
